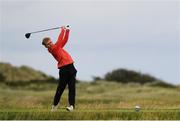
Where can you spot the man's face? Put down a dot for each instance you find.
(48, 44)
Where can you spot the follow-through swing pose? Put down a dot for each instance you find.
(67, 71)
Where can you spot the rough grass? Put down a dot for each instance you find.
(100, 100)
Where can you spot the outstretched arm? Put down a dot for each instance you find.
(60, 38)
(65, 39)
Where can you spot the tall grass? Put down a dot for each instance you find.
(97, 100)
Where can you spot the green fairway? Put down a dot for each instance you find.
(98, 100)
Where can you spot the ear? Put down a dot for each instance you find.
(48, 46)
(45, 46)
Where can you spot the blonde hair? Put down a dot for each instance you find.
(45, 40)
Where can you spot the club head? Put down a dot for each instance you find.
(27, 35)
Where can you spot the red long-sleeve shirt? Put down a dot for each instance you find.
(62, 56)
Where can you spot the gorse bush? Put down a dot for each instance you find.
(130, 76)
(126, 76)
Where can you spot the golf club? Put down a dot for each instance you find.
(27, 35)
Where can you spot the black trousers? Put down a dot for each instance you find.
(67, 76)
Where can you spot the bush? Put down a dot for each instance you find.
(126, 76)
(97, 78)
(130, 76)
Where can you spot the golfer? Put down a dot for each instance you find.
(67, 71)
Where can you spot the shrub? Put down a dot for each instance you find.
(130, 76)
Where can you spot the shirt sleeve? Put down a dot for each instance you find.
(65, 39)
(60, 38)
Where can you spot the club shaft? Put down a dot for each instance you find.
(45, 30)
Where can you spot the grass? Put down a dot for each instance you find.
(90, 114)
(98, 100)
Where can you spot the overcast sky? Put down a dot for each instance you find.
(141, 35)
